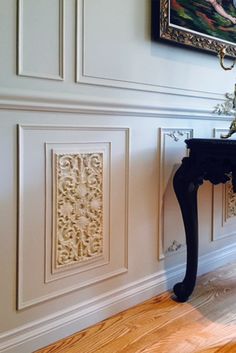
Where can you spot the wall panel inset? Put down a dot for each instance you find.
(127, 57)
(77, 207)
(41, 38)
(172, 150)
(72, 197)
(224, 205)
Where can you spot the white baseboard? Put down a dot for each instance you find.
(37, 334)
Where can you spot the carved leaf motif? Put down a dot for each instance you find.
(176, 135)
(174, 247)
(78, 207)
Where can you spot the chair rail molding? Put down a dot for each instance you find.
(51, 102)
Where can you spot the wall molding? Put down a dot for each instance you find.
(66, 322)
(51, 270)
(226, 226)
(120, 269)
(61, 33)
(84, 78)
(64, 103)
(174, 134)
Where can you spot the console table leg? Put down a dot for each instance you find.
(186, 192)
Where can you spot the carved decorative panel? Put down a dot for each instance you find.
(73, 208)
(78, 207)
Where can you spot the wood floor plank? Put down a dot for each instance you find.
(205, 324)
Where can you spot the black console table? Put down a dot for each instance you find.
(209, 159)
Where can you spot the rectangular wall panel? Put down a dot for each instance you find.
(41, 38)
(224, 205)
(73, 211)
(77, 207)
(172, 150)
(118, 48)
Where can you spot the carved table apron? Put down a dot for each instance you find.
(209, 159)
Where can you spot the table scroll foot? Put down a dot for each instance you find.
(181, 291)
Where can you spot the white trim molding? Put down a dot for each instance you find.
(178, 135)
(82, 77)
(70, 103)
(21, 71)
(115, 259)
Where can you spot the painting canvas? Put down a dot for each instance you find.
(203, 24)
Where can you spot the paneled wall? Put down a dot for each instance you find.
(93, 118)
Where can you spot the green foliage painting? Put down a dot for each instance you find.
(213, 18)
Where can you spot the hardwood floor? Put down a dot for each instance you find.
(205, 324)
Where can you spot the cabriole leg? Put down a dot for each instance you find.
(186, 192)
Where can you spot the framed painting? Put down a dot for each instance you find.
(205, 24)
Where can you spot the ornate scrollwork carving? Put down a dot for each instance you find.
(181, 36)
(212, 169)
(230, 201)
(176, 134)
(174, 247)
(78, 207)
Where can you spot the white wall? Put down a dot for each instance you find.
(88, 80)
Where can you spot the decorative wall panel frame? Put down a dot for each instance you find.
(32, 243)
(21, 71)
(224, 205)
(83, 77)
(177, 135)
(52, 150)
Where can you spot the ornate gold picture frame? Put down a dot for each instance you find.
(205, 24)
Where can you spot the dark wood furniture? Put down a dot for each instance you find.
(209, 159)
